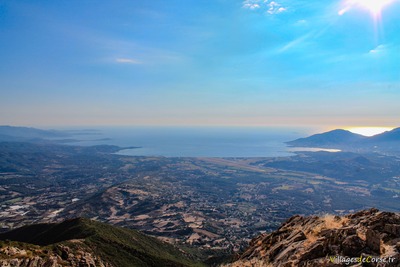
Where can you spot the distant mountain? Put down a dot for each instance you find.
(331, 138)
(83, 242)
(342, 139)
(16, 134)
(327, 241)
(388, 136)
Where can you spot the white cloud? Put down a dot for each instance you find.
(275, 8)
(251, 4)
(378, 49)
(272, 7)
(127, 61)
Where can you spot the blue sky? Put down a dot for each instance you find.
(204, 62)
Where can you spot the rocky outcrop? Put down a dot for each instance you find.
(12, 255)
(371, 236)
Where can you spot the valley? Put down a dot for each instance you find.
(215, 204)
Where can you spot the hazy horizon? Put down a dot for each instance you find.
(305, 130)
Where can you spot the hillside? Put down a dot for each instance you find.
(81, 242)
(327, 240)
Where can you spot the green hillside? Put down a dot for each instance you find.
(118, 246)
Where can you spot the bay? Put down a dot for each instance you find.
(195, 141)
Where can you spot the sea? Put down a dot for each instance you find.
(194, 141)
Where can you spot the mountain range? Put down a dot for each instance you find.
(300, 241)
(348, 141)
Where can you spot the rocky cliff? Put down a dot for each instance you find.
(366, 238)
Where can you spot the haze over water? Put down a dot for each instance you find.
(198, 141)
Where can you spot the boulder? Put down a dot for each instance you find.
(373, 239)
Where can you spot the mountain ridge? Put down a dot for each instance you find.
(348, 141)
(20, 133)
(387, 135)
(110, 245)
(334, 137)
(327, 241)
(300, 241)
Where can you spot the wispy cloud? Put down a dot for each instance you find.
(377, 50)
(127, 61)
(295, 42)
(301, 22)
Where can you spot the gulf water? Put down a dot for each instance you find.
(194, 141)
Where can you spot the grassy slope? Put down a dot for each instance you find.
(119, 246)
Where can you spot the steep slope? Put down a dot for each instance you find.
(326, 241)
(108, 245)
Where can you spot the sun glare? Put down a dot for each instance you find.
(369, 131)
(373, 6)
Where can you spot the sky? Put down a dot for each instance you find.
(205, 62)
